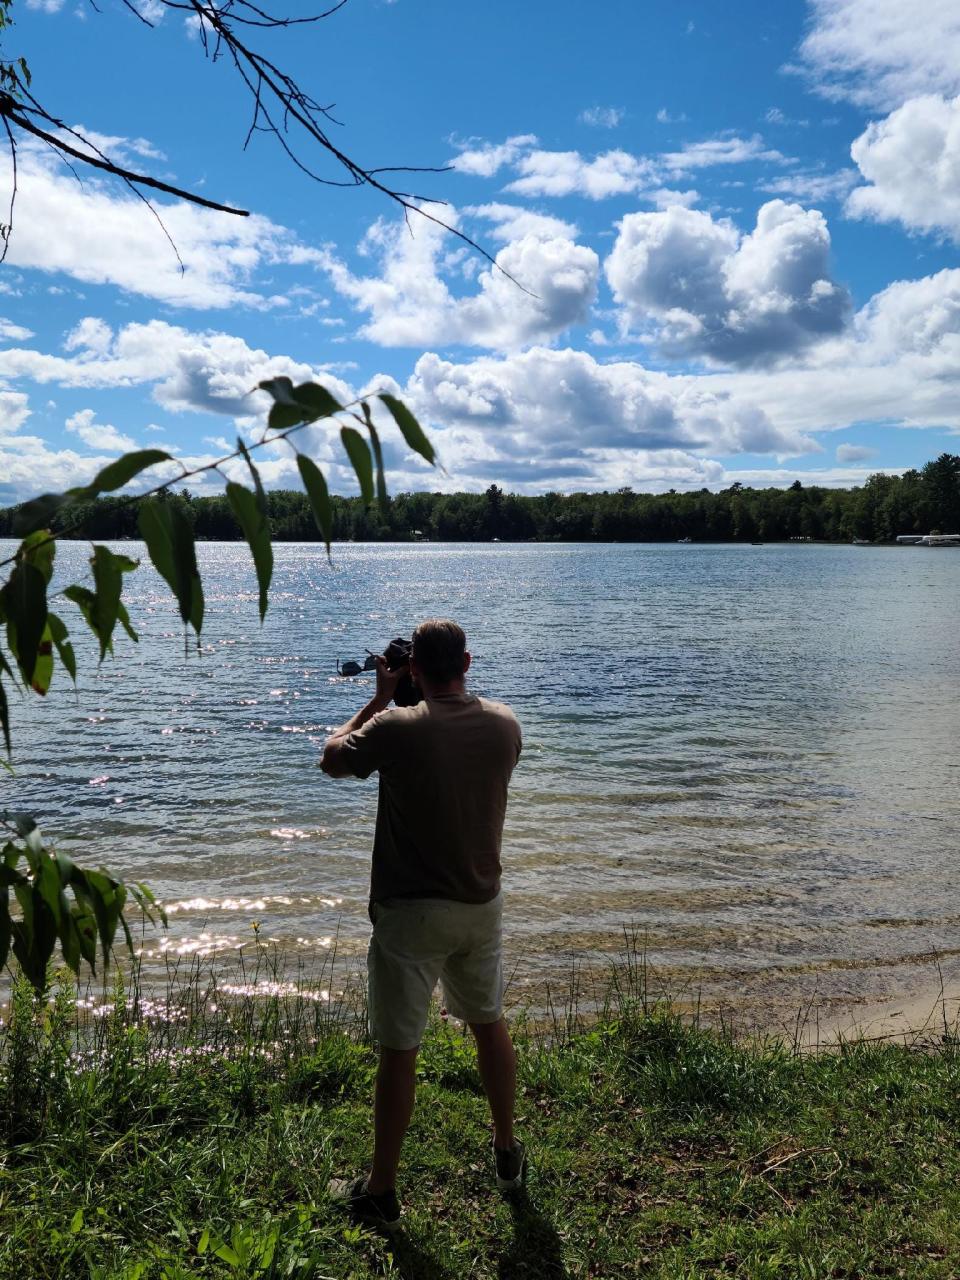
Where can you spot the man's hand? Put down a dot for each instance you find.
(388, 680)
(331, 762)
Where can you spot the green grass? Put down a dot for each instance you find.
(138, 1147)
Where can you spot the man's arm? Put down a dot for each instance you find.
(332, 761)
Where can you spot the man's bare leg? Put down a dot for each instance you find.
(392, 1109)
(497, 1060)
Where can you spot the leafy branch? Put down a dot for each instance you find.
(34, 637)
(47, 914)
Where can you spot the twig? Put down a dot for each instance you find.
(13, 190)
(9, 111)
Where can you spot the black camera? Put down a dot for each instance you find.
(397, 654)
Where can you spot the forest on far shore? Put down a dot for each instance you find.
(921, 502)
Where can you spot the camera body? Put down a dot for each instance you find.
(397, 654)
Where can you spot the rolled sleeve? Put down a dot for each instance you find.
(364, 751)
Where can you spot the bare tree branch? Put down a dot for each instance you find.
(8, 231)
(137, 14)
(279, 103)
(12, 112)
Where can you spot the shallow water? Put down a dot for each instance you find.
(748, 755)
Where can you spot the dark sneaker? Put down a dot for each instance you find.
(373, 1211)
(511, 1167)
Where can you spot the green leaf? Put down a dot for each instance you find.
(316, 400)
(318, 496)
(39, 550)
(33, 935)
(25, 605)
(36, 513)
(280, 388)
(410, 428)
(43, 667)
(284, 416)
(23, 823)
(5, 718)
(76, 1222)
(121, 472)
(382, 497)
(106, 896)
(124, 619)
(255, 476)
(5, 925)
(293, 405)
(147, 901)
(358, 451)
(169, 538)
(255, 529)
(48, 885)
(69, 936)
(84, 599)
(85, 928)
(108, 571)
(5, 706)
(59, 634)
(98, 607)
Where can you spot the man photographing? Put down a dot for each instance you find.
(435, 903)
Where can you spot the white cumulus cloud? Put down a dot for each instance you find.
(899, 362)
(512, 222)
(10, 332)
(550, 413)
(878, 53)
(409, 304)
(14, 410)
(564, 173)
(718, 151)
(710, 291)
(186, 371)
(542, 172)
(484, 159)
(98, 435)
(100, 234)
(911, 160)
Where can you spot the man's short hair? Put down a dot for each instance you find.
(439, 647)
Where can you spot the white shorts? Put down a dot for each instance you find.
(418, 941)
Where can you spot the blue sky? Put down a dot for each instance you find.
(737, 226)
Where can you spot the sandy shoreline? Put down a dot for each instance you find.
(919, 1005)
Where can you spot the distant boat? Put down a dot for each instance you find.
(862, 542)
(940, 540)
(756, 544)
(684, 539)
(928, 540)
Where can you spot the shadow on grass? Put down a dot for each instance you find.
(535, 1252)
(416, 1261)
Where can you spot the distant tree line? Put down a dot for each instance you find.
(917, 502)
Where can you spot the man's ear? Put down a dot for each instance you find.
(466, 663)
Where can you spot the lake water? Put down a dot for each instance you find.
(748, 755)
